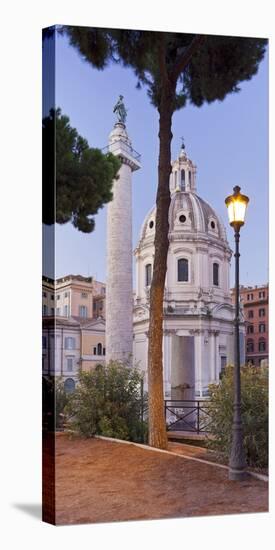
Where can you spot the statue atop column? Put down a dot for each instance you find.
(120, 110)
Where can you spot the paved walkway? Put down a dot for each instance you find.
(103, 481)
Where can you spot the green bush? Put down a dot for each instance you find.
(61, 401)
(254, 403)
(54, 400)
(107, 401)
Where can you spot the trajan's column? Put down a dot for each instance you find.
(119, 292)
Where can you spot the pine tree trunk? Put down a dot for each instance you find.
(157, 425)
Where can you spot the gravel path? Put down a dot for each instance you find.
(103, 481)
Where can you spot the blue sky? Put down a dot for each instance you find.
(228, 141)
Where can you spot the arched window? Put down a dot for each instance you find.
(69, 385)
(190, 177)
(182, 180)
(183, 270)
(99, 349)
(216, 274)
(249, 346)
(148, 274)
(262, 345)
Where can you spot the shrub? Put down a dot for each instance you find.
(54, 402)
(254, 404)
(61, 400)
(107, 401)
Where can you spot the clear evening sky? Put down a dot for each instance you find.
(228, 141)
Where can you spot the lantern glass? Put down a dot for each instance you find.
(236, 206)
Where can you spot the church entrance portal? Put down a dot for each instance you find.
(183, 368)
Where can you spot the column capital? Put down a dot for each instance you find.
(196, 331)
(214, 332)
(169, 331)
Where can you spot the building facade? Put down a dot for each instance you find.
(73, 309)
(73, 296)
(198, 313)
(71, 344)
(254, 301)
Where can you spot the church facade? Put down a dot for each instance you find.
(198, 340)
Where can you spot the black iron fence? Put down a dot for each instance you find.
(187, 416)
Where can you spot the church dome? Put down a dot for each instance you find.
(188, 213)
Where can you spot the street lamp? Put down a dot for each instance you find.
(236, 206)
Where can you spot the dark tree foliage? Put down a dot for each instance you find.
(215, 68)
(83, 176)
(176, 69)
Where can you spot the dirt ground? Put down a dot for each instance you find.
(104, 481)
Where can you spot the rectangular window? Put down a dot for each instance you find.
(58, 311)
(84, 295)
(58, 297)
(45, 294)
(45, 310)
(94, 351)
(83, 311)
(250, 296)
(182, 180)
(52, 296)
(69, 342)
(261, 327)
(262, 294)
(66, 295)
(251, 313)
(250, 346)
(70, 364)
(148, 274)
(44, 342)
(261, 312)
(65, 311)
(250, 329)
(52, 311)
(216, 274)
(223, 363)
(183, 270)
(262, 345)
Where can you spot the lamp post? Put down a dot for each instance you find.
(236, 206)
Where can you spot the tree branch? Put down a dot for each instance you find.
(185, 58)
